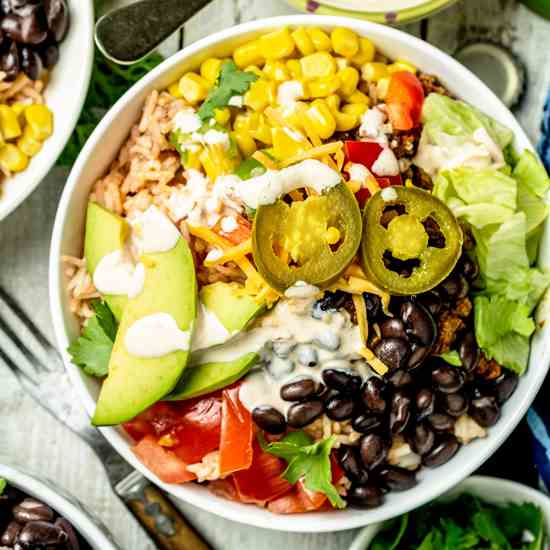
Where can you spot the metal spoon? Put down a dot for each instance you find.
(126, 35)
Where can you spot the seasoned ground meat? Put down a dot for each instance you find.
(431, 84)
(349, 306)
(405, 143)
(351, 135)
(418, 177)
(488, 368)
(463, 308)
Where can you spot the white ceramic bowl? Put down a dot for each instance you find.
(94, 161)
(65, 95)
(91, 529)
(491, 489)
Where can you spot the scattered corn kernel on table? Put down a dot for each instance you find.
(32, 438)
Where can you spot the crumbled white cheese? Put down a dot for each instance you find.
(187, 121)
(229, 224)
(386, 164)
(372, 123)
(359, 173)
(236, 101)
(208, 469)
(467, 429)
(301, 289)
(214, 137)
(389, 194)
(213, 255)
(290, 91)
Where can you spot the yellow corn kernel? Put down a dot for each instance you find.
(382, 87)
(344, 42)
(321, 119)
(167, 440)
(254, 69)
(246, 122)
(353, 186)
(263, 131)
(277, 44)
(287, 143)
(333, 102)
(19, 108)
(355, 109)
(276, 70)
(210, 69)
(318, 65)
(174, 90)
(8, 123)
(249, 53)
(374, 71)
(345, 121)
(332, 235)
(222, 116)
(401, 65)
(193, 88)
(341, 63)
(366, 52)
(303, 41)
(323, 87)
(40, 120)
(261, 93)
(358, 97)
(245, 143)
(292, 115)
(349, 78)
(294, 69)
(28, 144)
(193, 158)
(320, 39)
(12, 159)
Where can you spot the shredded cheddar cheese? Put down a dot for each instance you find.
(316, 152)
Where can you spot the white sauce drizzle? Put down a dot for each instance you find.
(117, 274)
(386, 164)
(209, 331)
(155, 335)
(153, 232)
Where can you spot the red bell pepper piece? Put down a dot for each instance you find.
(367, 153)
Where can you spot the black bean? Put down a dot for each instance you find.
(419, 322)
(340, 408)
(431, 301)
(505, 386)
(418, 356)
(393, 352)
(455, 404)
(342, 380)
(374, 451)
(57, 15)
(9, 536)
(9, 62)
(269, 419)
(348, 457)
(26, 29)
(298, 390)
(72, 538)
(485, 411)
(31, 63)
(32, 510)
(327, 393)
(400, 378)
(43, 533)
(50, 55)
(393, 328)
(365, 423)
(397, 479)
(447, 379)
(455, 287)
(330, 301)
(400, 412)
(468, 351)
(445, 448)
(425, 403)
(373, 305)
(422, 439)
(441, 422)
(365, 496)
(469, 268)
(302, 414)
(373, 394)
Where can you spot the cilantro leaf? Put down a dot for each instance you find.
(92, 350)
(388, 539)
(487, 528)
(452, 358)
(231, 81)
(308, 461)
(3, 485)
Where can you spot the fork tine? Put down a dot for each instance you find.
(12, 365)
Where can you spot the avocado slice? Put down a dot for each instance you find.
(105, 233)
(135, 383)
(231, 305)
(210, 377)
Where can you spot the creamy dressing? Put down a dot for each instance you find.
(236, 101)
(155, 335)
(229, 224)
(118, 274)
(301, 289)
(153, 232)
(374, 127)
(212, 137)
(386, 164)
(359, 173)
(268, 187)
(389, 194)
(209, 331)
(187, 121)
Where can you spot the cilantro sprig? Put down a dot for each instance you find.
(308, 461)
(231, 81)
(92, 350)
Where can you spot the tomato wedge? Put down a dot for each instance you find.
(162, 462)
(404, 100)
(237, 433)
(262, 482)
(224, 488)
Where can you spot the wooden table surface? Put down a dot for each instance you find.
(32, 438)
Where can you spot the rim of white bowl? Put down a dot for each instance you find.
(66, 505)
(81, 33)
(198, 496)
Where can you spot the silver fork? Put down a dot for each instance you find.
(39, 369)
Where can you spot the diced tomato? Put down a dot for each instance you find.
(162, 462)
(367, 153)
(241, 233)
(404, 100)
(237, 434)
(224, 488)
(199, 428)
(262, 482)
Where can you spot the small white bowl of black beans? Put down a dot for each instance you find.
(36, 514)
